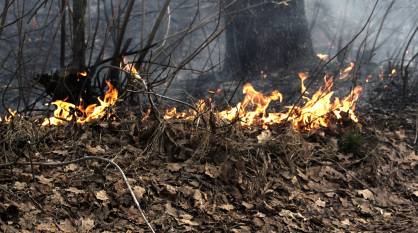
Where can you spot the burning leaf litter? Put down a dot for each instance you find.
(66, 112)
(317, 111)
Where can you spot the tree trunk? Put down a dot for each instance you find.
(265, 36)
(79, 45)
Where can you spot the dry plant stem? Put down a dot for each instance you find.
(416, 130)
(92, 158)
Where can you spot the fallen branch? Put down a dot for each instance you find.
(58, 164)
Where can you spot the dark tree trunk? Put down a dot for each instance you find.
(265, 36)
(79, 45)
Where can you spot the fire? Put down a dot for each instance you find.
(318, 111)
(66, 111)
(302, 76)
(190, 114)
(82, 73)
(393, 73)
(8, 118)
(344, 73)
(322, 56)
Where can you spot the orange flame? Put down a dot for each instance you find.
(82, 73)
(303, 76)
(318, 111)
(8, 118)
(66, 112)
(344, 73)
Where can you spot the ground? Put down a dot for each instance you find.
(361, 178)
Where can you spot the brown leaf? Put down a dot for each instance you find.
(187, 219)
(212, 171)
(139, 191)
(227, 207)
(169, 209)
(198, 198)
(95, 150)
(87, 224)
(366, 194)
(170, 189)
(247, 205)
(346, 222)
(48, 226)
(75, 190)
(20, 185)
(66, 226)
(60, 152)
(102, 196)
(41, 179)
(174, 167)
(71, 167)
(320, 203)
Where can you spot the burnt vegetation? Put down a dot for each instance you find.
(208, 116)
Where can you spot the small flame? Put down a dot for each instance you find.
(368, 78)
(344, 73)
(66, 111)
(323, 57)
(302, 76)
(82, 73)
(8, 118)
(393, 73)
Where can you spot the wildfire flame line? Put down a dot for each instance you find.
(318, 111)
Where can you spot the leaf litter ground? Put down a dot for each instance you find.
(188, 179)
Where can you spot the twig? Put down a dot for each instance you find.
(91, 158)
(416, 130)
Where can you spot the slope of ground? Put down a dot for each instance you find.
(356, 179)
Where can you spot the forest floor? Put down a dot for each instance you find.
(357, 179)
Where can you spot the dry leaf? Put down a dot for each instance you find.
(415, 193)
(174, 167)
(227, 207)
(345, 222)
(41, 179)
(71, 167)
(75, 190)
(139, 191)
(187, 219)
(20, 185)
(66, 226)
(264, 137)
(320, 203)
(169, 209)
(366, 194)
(60, 152)
(95, 150)
(48, 226)
(102, 196)
(170, 189)
(247, 205)
(87, 224)
(212, 171)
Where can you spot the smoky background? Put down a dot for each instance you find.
(189, 41)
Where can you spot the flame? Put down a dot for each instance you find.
(393, 73)
(8, 118)
(66, 111)
(318, 111)
(322, 56)
(344, 73)
(82, 73)
(302, 76)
